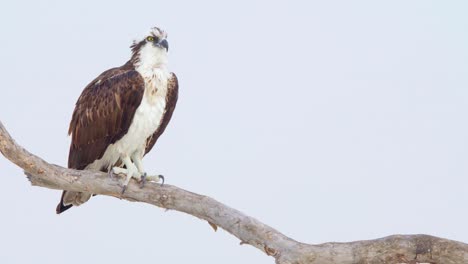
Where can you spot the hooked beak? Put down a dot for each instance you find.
(163, 43)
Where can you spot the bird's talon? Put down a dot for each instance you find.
(162, 179)
(124, 188)
(143, 180)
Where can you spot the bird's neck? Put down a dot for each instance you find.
(149, 70)
(149, 59)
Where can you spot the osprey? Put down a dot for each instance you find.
(120, 115)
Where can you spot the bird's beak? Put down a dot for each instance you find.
(163, 43)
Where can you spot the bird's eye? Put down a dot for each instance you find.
(150, 38)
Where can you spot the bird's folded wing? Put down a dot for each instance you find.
(103, 114)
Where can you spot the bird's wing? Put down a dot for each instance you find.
(171, 101)
(103, 114)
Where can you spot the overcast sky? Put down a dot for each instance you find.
(328, 120)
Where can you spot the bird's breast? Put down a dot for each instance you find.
(149, 113)
(153, 105)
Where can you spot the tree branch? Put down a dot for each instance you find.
(393, 249)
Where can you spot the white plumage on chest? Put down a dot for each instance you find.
(147, 119)
(149, 114)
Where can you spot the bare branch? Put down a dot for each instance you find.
(394, 249)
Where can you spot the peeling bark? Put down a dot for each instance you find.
(389, 250)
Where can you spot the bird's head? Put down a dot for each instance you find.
(151, 50)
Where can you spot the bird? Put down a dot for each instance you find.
(120, 115)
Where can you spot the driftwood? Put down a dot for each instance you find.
(393, 249)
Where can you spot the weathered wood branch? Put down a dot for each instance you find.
(393, 249)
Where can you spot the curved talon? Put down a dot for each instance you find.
(162, 179)
(124, 188)
(110, 173)
(143, 180)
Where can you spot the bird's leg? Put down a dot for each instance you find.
(137, 159)
(131, 171)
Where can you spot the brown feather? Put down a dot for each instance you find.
(103, 114)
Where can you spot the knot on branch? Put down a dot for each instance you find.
(270, 251)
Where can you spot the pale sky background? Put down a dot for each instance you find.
(328, 120)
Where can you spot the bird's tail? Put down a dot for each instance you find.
(70, 198)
